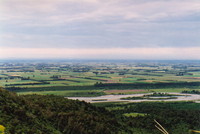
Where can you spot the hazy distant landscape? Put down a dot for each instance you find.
(96, 78)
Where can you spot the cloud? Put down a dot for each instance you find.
(101, 24)
(127, 35)
(67, 11)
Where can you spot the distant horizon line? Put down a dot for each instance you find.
(85, 59)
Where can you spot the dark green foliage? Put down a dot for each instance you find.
(150, 97)
(53, 115)
(86, 94)
(191, 92)
(56, 115)
(53, 88)
(159, 95)
(133, 98)
(27, 84)
(149, 85)
(176, 117)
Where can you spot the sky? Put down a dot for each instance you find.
(100, 29)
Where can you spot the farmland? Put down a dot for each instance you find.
(96, 78)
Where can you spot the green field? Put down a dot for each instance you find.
(64, 77)
(134, 114)
(68, 93)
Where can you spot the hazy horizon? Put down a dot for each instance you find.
(97, 29)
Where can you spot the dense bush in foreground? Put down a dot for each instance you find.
(53, 115)
(176, 117)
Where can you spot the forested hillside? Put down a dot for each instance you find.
(48, 114)
(53, 115)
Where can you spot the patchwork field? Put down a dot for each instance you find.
(61, 78)
(125, 91)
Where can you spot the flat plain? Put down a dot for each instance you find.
(99, 78)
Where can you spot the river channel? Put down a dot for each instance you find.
(117, 98)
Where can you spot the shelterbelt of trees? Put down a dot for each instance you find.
(36, 114)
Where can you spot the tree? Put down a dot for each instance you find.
(96, 73)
